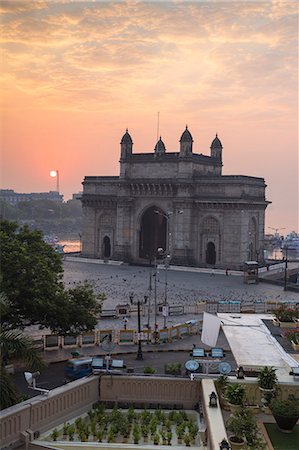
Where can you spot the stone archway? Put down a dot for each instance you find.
(106, 247)
(152, 233)
(211, 253)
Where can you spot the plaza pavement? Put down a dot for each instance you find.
(185, 285)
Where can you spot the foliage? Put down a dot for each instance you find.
(173, 368)
(187, 439)
(292, 335)
(136, 434)
(235, 394)
(149, 370)
(244, 428)
(286, 313)
(267, 378)
(287, 408)
(156, 438)
(31, 275)
(221, 383)
(14, 345)
(54, 434)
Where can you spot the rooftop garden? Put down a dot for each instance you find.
(158, 427)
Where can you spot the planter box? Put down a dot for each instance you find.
(295, 346)
(286, 324)
(255, 409)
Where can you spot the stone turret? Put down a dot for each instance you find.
(160, 147)
(216, 149)
(186, 143)
(126, 145)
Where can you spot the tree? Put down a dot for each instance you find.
(14, 345)
(31, 275)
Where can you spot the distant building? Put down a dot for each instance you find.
(13, 198)
(177, 201)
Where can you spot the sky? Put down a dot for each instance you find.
(76, 74)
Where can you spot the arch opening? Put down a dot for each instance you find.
(106, 247)
(152, 233)
(211, 253)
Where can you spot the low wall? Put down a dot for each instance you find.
(150, 390)
(43, 412)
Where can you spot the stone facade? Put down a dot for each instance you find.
(176, 201)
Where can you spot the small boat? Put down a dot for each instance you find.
(291, 244)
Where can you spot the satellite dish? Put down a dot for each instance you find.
(224, 368)
(107, 344)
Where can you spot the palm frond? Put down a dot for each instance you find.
(16, 345)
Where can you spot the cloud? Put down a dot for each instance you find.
(90, 54)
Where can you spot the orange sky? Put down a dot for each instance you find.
(75, 74)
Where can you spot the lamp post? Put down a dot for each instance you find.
(55, 174)
(286, 270)
(167, 256)
(131, 296)
(149, 301)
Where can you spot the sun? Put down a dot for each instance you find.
(53, 173)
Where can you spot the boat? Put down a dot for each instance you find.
(291, 243)
(53, 241)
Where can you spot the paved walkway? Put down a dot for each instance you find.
(179, 345)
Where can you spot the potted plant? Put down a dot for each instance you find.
(149, 370)
(286, 315)
(169, 437)
(136, 434)
(55, 434)
(180, 431)
(71, 432)
(235, 394)
(187, 439)
(285, 412)
(221, 383)
(173, 368)
(267, 383)
(245, 431)
(293, 337)
(156, 438)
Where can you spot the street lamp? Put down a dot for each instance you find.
(159, 251)
(55, 174)
(286, 269)
(131, 297)
(167, 255)
(149, 300)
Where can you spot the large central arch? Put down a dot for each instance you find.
(152, 233)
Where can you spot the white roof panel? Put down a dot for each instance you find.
(251, 342)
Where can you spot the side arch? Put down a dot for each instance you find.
(210, 241)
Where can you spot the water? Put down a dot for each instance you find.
(71, 245)
(74, 245)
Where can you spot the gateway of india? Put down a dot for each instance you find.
(176, 201)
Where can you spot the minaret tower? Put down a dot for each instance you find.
(186, 143)
(216, 149)
(126, 147)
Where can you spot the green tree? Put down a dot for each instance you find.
(14, 345)
(31, 275)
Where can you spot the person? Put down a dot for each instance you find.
(125, 321)
(226, 271)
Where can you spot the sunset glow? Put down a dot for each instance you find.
(76, 74)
